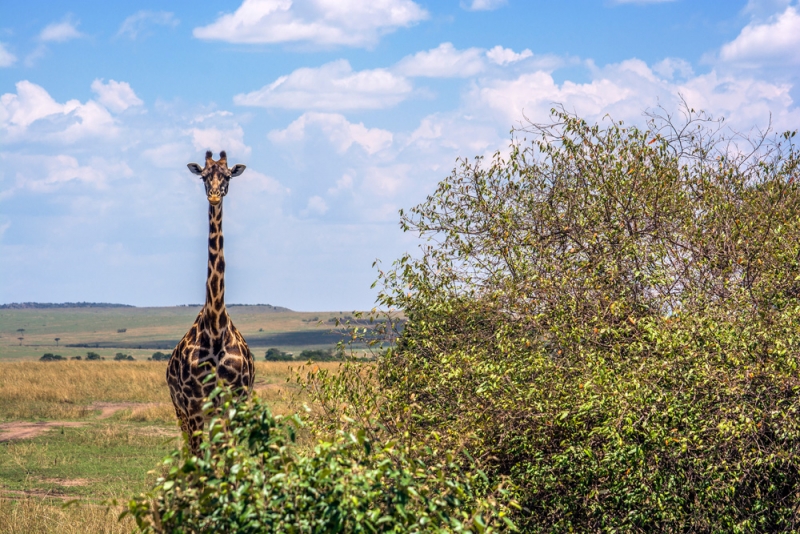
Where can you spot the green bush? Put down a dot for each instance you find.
(251, 477)
(50, 357)
(609, 318)
(120, 357)
(93, 356)
(276, 355)
(321, 355)
(159, 357)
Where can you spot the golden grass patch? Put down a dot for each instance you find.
(65, 390)
(32, 515)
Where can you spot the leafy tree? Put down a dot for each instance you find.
(57, 340)
(159, 357)
(277, 355)
(123, 357)
(93, 356)
(608, 318)
(320, 355)
(250, 477)
(50, 357)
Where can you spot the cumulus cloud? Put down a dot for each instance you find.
(60, 32)
(316, 205)
(505, 56)
(6, 58)
(670, 67)
(344, 183)
(218, 139)
(116, 96)
(139, 24)
(44, 173)
(444, 61)
(66, 122)
(483, 5)
(324, 22)
(337, 129)
(624, 90)
(775, 41)
(333, 86)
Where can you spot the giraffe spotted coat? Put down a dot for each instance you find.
(212, 344)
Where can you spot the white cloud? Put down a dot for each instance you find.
(333, 86)
(764, 8)
(66, 122)
(625, 90)
(342, 184)
(44, 174)
(169, 155)
(31, 103)
(116, 96)
(387, 181)
(93, 120)
(667, 68)
(506, 56)
(217, 139)
(338, 130)
(6, 58)
(60, 32)
(325, 22)
(316, 204)
(775, 41)
(137, 25)
(257, 182)
(483, 5)
(443, 61)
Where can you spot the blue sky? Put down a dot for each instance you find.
(344, 111)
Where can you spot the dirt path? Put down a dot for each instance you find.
(17, 430)
(107, 409)
(26, 430)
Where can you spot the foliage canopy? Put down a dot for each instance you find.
(608, 319)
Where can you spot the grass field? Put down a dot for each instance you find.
(147, 330)
(88, 432)
(103, 428)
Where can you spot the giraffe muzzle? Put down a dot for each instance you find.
(214, 199)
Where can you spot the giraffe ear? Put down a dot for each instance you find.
(195, 168)
(237, 170)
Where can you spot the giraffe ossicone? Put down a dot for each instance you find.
(212, 344)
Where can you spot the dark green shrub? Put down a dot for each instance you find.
(251, 477)
(93, 356)
(276, 355)
(321, 355)
(120, 357)
(159, 357)
(50, 357)
(609, 318)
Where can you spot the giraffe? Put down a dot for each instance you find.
(212, 343)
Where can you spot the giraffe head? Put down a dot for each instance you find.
(216, 175)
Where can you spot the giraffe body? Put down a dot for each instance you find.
(212, 344)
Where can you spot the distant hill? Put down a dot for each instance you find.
(31, 305)
(26, 305)
(268, 306)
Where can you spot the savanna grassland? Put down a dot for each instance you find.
(77, 435)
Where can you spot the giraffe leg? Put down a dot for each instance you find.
(194, 433)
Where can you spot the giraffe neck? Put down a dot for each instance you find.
(215, 313)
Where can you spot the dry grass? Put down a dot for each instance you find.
(65, 390)
(31, 515)
(161, 412)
